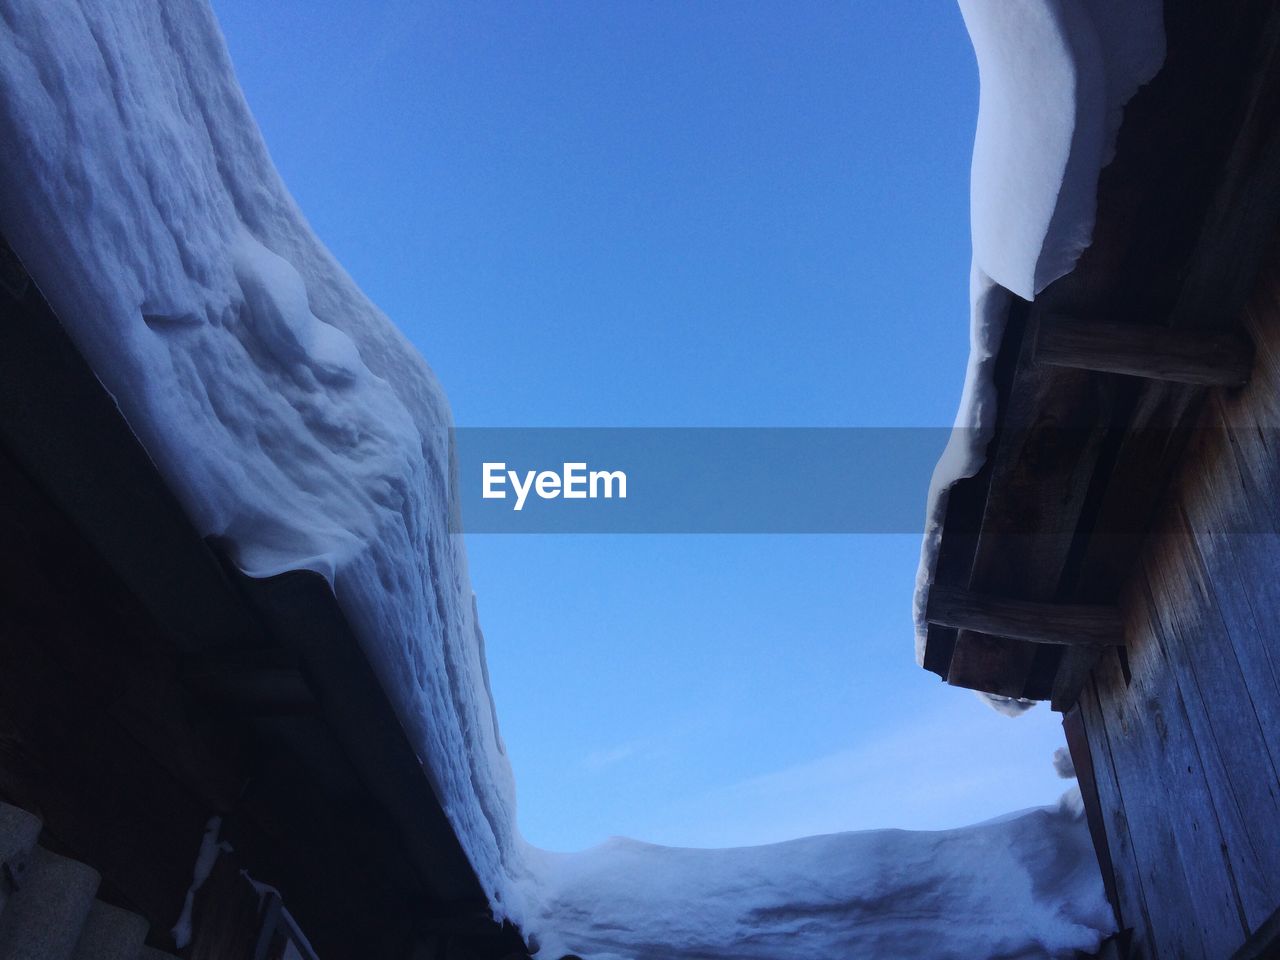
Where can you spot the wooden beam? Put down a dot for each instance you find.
(1081, 751)
(1074, 670)
(991, 664)
(1206, 357)
(1067, 624)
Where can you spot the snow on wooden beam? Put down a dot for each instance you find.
(1207, 357)
(1059, 623)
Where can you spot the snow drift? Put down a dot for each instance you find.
(298, 427)
(1022, 887)
(1055, 76)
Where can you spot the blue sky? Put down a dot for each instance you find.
(672, 214)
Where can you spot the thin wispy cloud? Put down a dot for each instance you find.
(611, 756)
(934, 773)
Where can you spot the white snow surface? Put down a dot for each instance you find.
(299, 427)
(1054, 78)
(290, 417)
(1016, 888)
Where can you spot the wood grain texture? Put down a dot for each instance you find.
(1088, 625)
(1130, 901)
(993, 664)
(1210, 357)
(1077, 736)
(1222, 726)
(1184, 871)
(1187, 753)
(1124, 473)
(1083, 456)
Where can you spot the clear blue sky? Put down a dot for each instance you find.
(672, 214)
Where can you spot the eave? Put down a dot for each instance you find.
(326, 796)
(1088, 433)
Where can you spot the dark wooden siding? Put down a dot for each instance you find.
(1183, 730)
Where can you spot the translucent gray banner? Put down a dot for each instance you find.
(692, 480)
(815, 479)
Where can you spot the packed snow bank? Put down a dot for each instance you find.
(298, 427)
(1054, 78)
(1022, 887)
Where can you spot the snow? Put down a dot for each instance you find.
(301, 431)
(1021, 887)
(291, 418)
(1054, 78)
(1063, 765)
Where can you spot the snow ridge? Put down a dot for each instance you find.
(1026, 887)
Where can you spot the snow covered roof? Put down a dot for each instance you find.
(1081, 411)
(250, 696)
(292, 420)
(1055, 76)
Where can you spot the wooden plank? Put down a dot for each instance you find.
(967, 499)
(1130, 901)
(1245, 570)
(1222, 720)
(1044, 670)
(997, 665)
(1232, 566)
(1181, 241)
(1146, 460)
(1077, 737)
(1233, 237)
(1249, 546)
(1167, 894)
(939, 648)
(1236, 553)
(1186, 875)
(1209, 357)
(1073, 672)
(1090, 625)
(1049, 442)
(1148, 241)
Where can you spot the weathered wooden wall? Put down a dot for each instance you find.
(1183, 729)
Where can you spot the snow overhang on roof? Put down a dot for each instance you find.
(272, 663)
(294, 424)
(1080, 384)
